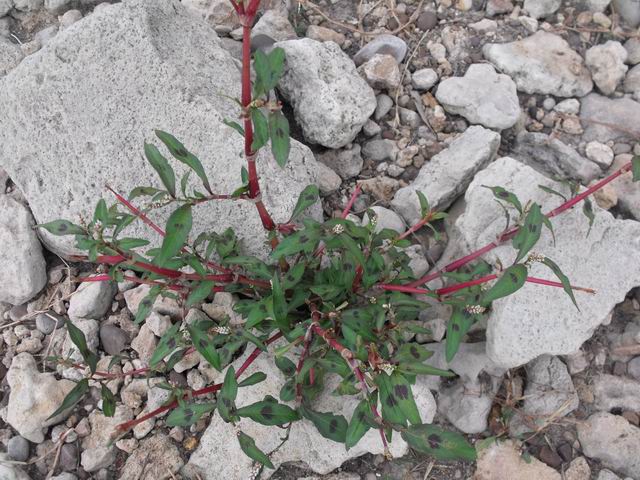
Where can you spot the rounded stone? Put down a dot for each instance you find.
(633, 368)
(113, 339)
(47, 322)
(18, 448)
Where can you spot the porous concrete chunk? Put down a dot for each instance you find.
(305, 444)
(542, 63)
(34, 396)
(107, 84)
(537, 320)
(330, 100)
(22, 265)
(448, 173)
(613, 441)
(481, 96)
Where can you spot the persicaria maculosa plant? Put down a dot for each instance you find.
(337, 296)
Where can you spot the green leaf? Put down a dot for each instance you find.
(302, 241)
(439, 443)
(280, 141)
(587, 209)
(635, 168)
(511, 280)
(457, 327)
(280, 310)
(358, 425)
(269, 412)
(79, 340)
(288, 390)
(552, 192)
(73, 397)
(235, 125)
(529, 234)
(566, 285)
(181, 154)
(166, 345)
(424, 203)
(412, 353)
(286, 366)
(547, 223)
(62, 227)
(108, 401)
(248, 446)
(131, 243)
(204, 345)
(161, 165)
(101, 212)
(293, 276)
(268, 70)
(260, 129)
(307, 197)
(177, 231)
(186, 415)
(253, 379)
(146, 305)
(200, 293)
(396, 399)
(333, 427)
(506, 196)
(227, 395)
(143, 192)
(423, 369)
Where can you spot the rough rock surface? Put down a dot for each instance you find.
(22, 266)
(156, 459)
(10, 56)
(330, 100)
(606, 63)
(98, 452)
(501, 461)
(611, 392)
(92, 300)
(448, 173)
(612, 440)
(541, 8)
(481, 96)
(305, 443)
(168, 71)
(598, 112)
(553, 157)
(34, 397)
(536, 320)
(11, 472)
(542, 63)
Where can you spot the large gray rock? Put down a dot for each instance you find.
(481, 96)
(448, 173)
(219, 454)
(156, 459)
(22, 265)
(613, 441)
(504, 460)
(11, 472)
(607, 119)
(542, 63)
(330, 100)
(612, 392)
(10, 56)
(92, 300)
(34, 396)
(537, 319)
(97, 91)
(98, 449)
(466, 405)
(553, 157)
(550, 394)
(626, 189)
(629, 10)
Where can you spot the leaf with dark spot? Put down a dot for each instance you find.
(529, 234)
(511, 280)
(248, 446)
(269, 412)
(177, 231)
(333, 427)
(181, 154)
(280, 141)
(358, 425)
(307, 197)
(253, 379)
(507, 196)
(186, 415)
(204, 345)
(167, 344)
(443, 445)
(62, 227)
(227, 395)
(162, 167)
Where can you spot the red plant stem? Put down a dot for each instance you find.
(141, 215)
(305, 352)
(142, 281)
(509, 234)
(352, 200)
(426, 219)
(178, 275)
(479, 281)
(123, 427)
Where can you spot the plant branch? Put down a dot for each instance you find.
(509, 234)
